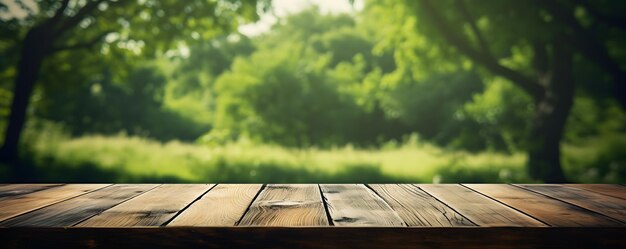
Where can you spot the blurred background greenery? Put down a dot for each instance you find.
(312, 91)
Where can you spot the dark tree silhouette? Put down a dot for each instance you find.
(551, 85)
(36, 46)
(61, 32)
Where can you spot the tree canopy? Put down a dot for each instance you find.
(492, 75)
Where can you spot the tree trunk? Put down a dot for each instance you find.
(544, 151)
(548, 124)
(35, 46)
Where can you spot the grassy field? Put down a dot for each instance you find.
(132, 159)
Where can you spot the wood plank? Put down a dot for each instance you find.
(607, 205)
(19, 205)
(614, 190)
(478, 208)
(548, 210)
(72, 211)
(315, 237)
(153, 208)
(224, 205)
(297, 205)
(12, 190)
(357, 205)
(417, 208)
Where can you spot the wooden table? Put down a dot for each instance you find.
(313, 215)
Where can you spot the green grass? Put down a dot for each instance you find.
(140, 159)
(598, 159)
(120, 158)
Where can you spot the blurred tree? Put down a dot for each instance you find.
(419, 105)
(208, 60)
(146, 27)
(278, 96)
(535, 46)
(190, 88)
(104, 103)
(312, 81)
(495, 119)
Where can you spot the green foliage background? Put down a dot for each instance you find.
(357, 97)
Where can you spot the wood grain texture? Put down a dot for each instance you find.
(29, 202)
(224, 205)
(13, 190)
(152, 208)
(357, 205)
(417, 208)
(479, 209)
(72, 211)
(298, 205)
(315, 237)
(607, 205)
(614, 190)
(548, 210)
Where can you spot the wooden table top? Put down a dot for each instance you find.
(312, 205)
(312, 216)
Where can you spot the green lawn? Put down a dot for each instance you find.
(133, 159)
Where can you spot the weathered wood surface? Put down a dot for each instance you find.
(11, 190)
(12, 207)
(551, 211)
(224, 205)
(478, 208)
(417, 208)
(609, 206)
(300, 215)
(73, 211)
(356, 205)
(287, 205)
(153, 208)
(618, 191)
(302, 205)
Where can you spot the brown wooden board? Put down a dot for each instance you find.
(315, 237)
(12, 207)
(614, 190)
(478, 208)
(548, 210)
(224, 205)
(287, 205)
(417, 208)
(357, 205)
(153, 208)
(13, 190)
(606, 205)
(72, 211)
